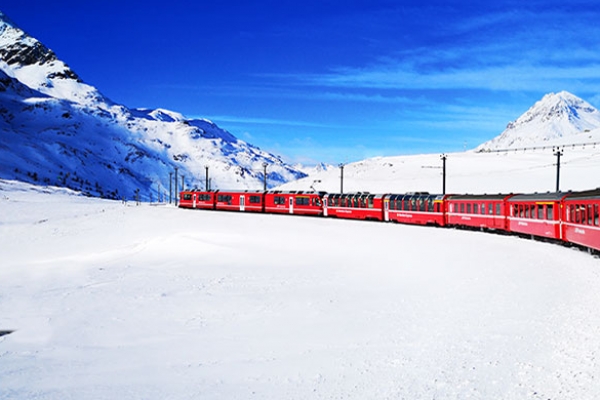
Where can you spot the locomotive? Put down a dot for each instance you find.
(564, 217)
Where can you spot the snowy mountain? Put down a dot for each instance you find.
(56, 129)
(556, 115)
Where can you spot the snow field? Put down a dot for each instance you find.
(121, 301)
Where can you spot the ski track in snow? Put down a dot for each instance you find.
(112, 300)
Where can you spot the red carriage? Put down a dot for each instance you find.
(415, 208)
(580, 218)
(354, 206)
(537, 214)
(293, 202)
(197, 199)
(240, 201)
(478, 211)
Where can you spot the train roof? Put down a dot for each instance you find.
(548, 196)
(355, 194)
(411, 195)
(584, 195)
(303, 192)
(498, 196)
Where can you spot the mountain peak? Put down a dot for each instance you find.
(35, 65)
(19, 49)
(556, 115)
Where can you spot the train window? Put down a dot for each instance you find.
(187, 196)
(590, 214)
(254, 200)
(371, 201)
(362, 202)
(540, 211)
(571, 214)
(302, 201)
(469, 208)
(596, 214)
(475, 208)
(279, 200)
(462, 207)
(526, 211)
(498, 209)
(550, 212)
(422, 205)
(430, 206)
(205, 197)
(482, 209)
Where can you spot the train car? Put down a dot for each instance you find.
(186, 199)
(580, 218)
(253, 201)
(197, 199)
(354, 206)
(294, 202)
(537, 214)
(486, 212)
(415, 208)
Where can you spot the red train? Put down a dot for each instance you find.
(567, 217)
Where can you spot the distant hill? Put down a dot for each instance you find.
(57, 130)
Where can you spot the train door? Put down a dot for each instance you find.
(194, 200)
(242, 203)
(386, 210)
(291, 200)
(325, 206)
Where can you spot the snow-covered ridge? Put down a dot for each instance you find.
(57, 130)
(555, 116)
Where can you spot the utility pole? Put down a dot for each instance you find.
(170, 187)
(206, 181)
(264, 176)
(341, 165)
(557, 152)
(176, 191)
(443, 158)
(182, 182)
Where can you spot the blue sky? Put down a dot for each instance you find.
(333, 81)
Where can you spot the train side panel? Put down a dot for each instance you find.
(581, 224)
(487, 212)
(363, 206)
(294, 202)
(415, 209)
(197, 199)
(247, 201)
(536, 214)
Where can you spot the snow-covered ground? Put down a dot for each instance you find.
(110, 300)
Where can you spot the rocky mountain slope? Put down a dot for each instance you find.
(56, 129)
